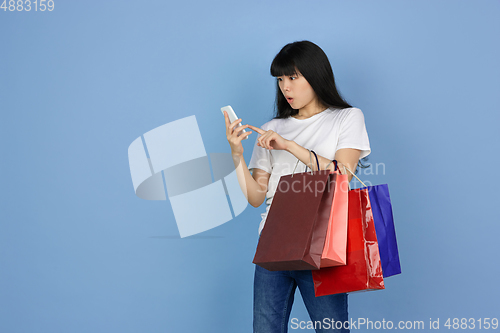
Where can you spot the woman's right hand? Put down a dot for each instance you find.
(233, 137)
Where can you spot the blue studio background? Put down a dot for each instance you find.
(80, 252)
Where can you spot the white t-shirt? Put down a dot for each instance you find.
(325, 133)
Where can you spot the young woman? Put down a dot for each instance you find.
(311, 115)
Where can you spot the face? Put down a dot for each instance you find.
(298, 92)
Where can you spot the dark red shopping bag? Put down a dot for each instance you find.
(294, 234)
(363, 270)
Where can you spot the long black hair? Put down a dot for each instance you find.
(309, 60)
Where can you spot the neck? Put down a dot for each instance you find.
(310, 110)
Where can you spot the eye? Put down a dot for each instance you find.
(279, 79)
(293, 77)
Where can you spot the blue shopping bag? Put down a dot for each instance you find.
(384, 227)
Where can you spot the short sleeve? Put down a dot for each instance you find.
(261, 158)
(353, 133)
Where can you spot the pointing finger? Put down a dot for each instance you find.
(256, 129)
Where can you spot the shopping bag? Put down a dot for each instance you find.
(334, 251)
(384, 226)
(294, 234)
(363, 271)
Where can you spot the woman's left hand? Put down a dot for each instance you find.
(270, 139)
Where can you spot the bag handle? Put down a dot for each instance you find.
(352, 173)
(335, 164)
(310, 160)
(317, 161)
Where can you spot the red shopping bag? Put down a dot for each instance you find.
(363, 270)
(384, 226)
(335, 249)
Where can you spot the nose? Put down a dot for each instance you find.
(285, 85)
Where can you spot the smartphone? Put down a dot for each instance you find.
(232, 117)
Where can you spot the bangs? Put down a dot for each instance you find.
(283, 66)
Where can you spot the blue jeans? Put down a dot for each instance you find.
(273, 299)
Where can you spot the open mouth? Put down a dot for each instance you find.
(289, 99)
